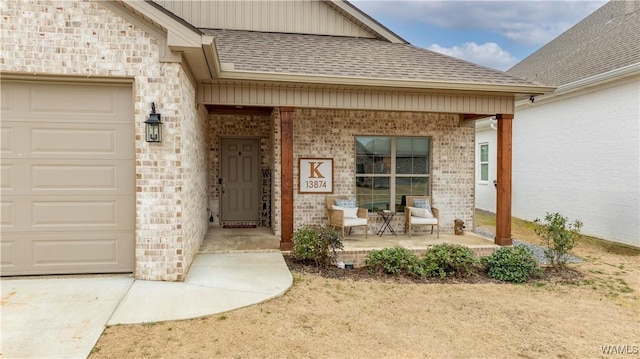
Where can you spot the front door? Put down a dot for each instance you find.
(240, 181)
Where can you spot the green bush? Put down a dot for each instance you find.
(558, 236)
(316, 244)
(444, 260)
(395, 261)
(512, 264)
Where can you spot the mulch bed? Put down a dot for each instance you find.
(551, 275)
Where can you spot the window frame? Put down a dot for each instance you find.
(483, 163)
(392, 175)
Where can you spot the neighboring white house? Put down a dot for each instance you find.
(577, 151)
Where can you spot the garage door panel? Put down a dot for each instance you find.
(7, 102)
(7, 177)
(68, 102)
(68, 214)
(7, 254)
(53, 100)
(8, 215)
(6, 139)
(78, 177)
(63, 141)
(69, 253)
(73, 177)
(68, 178)
(51, 214)
(67, 140)
(80, 251)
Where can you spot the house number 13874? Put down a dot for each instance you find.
(316, 184)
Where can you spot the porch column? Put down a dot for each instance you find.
(286, 179)
(503, 200)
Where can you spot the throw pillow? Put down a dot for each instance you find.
(420, 212)
(346, 203)
(424, 204)
(348, 212)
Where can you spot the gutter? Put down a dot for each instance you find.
(228, 73)
(599, 79)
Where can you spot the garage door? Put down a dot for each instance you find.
(67, 178)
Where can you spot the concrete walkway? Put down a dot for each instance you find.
(63, 317)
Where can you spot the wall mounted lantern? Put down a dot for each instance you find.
(154, 126)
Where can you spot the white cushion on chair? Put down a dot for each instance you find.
(352, 222)
(421, 212)
(348, 212)
(422, 220)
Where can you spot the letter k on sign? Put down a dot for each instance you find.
(314, 171)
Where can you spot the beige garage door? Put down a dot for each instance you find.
(67, 178)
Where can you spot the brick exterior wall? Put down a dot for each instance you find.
(194, 172)
(176, 180)
(331, 133)
(82, 39)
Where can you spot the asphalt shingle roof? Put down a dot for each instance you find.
(606, 40)
(347, 56)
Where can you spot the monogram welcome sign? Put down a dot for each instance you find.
(316, 175)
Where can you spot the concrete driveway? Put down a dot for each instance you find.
(63, 317)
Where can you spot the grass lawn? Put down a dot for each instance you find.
(321, 317)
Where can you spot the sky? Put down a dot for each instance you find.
(496, 34)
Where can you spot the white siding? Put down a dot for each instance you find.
(485, 190)
(580, 156)
(305, 17)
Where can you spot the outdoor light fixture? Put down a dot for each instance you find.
(532, 99)
(493, 123)
(154, 125)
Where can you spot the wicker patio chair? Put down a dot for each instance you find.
(346, 217)
(416, 217)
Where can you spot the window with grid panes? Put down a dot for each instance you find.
(390, 168)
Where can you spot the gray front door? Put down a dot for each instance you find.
(240, 169)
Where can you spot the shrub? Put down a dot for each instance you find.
(558, 236)
(444, 260)
(396, 260)
(316, 243)
(512, 264)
